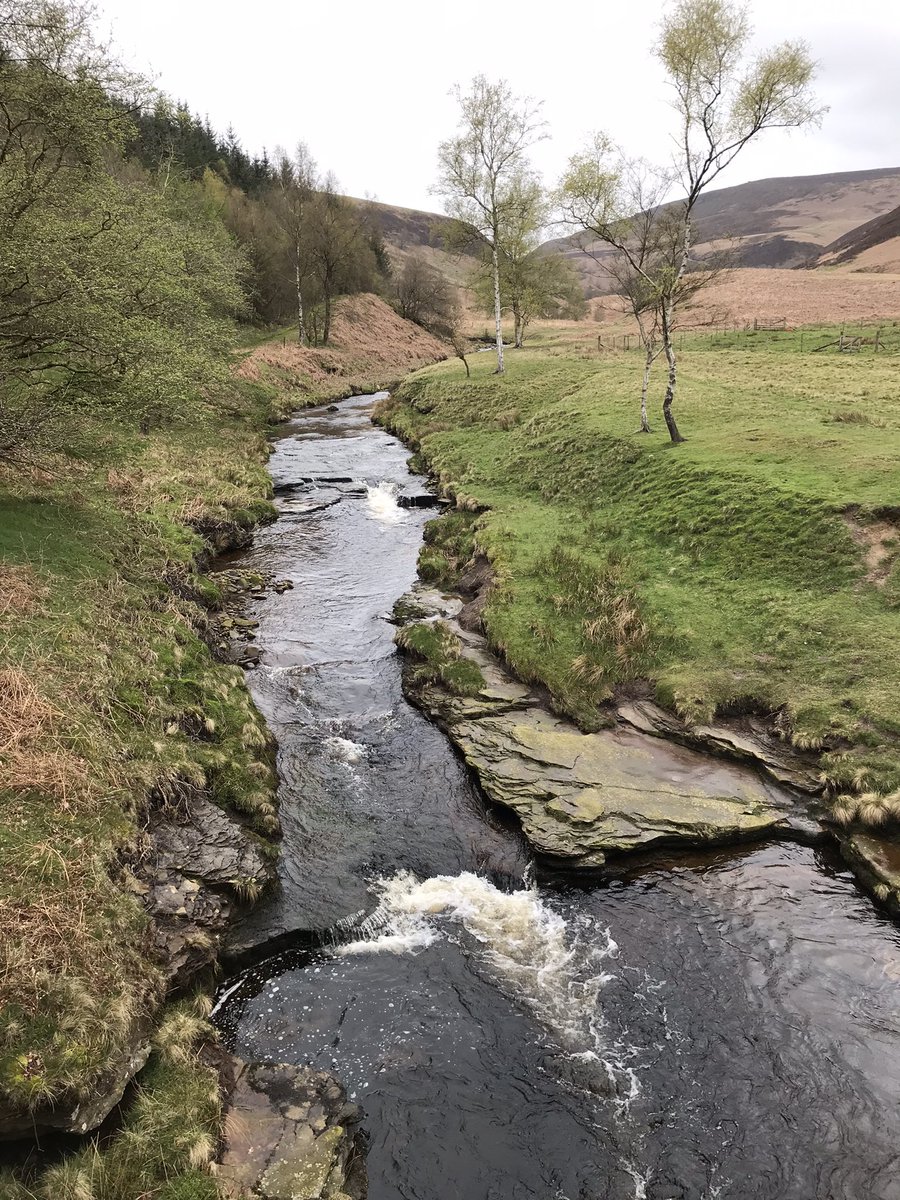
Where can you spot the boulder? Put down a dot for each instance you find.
(80, 1114)
(582, 796)
(290, 1135)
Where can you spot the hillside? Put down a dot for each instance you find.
(784, 222)
(411, 230)
(873, 246)
(370, 346)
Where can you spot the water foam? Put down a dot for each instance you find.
(345, 750)
(382, 502)
(526, 945)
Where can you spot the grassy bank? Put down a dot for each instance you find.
(111, 705)
(753, 568)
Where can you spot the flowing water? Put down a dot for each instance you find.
(719, 1025)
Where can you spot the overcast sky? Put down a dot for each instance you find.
(365, 83)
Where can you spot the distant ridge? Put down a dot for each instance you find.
(845, 218)
(873, 246)
(783, 222)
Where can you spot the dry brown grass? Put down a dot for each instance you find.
(801, 297)
(21, 591)
(369, 343)
(822, 297)
(869, 809)
(31, 754)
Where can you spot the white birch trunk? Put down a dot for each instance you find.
(648, 363)
(301, 331)
(668, 342)
(498, 320)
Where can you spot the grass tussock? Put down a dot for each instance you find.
(722, 570)
(438, 657)
(169, 1131)
(869, 809)
(854, 416)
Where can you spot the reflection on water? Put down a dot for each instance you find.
(721, 1025)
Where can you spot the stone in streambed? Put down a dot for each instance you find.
(875, 861)
(290, 1135)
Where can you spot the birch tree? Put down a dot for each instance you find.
(724, 99)
(480, 166)
(297, 183)
(531, 284)
(617, 205)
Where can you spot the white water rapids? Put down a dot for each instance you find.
(524, 943)
(382, 502)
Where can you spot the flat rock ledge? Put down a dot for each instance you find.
(875, 862)
(581, 797)
(290, 1134)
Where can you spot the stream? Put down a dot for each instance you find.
(713, 1025)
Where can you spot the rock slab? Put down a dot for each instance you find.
(583, 796)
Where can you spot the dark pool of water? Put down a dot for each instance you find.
(714, 1026)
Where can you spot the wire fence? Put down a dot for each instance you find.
(857, 338)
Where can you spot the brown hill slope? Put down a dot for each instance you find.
(873, 246)
(413, 231)
(370, 347)
(783, 222)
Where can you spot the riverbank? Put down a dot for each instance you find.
(747, 578)
(370, 348)
(139, 791)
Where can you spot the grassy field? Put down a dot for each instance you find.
(753, 568)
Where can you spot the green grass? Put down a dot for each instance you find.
(435, 649)
(724, 569)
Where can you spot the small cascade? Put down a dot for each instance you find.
(381, 499)
(525, 944)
